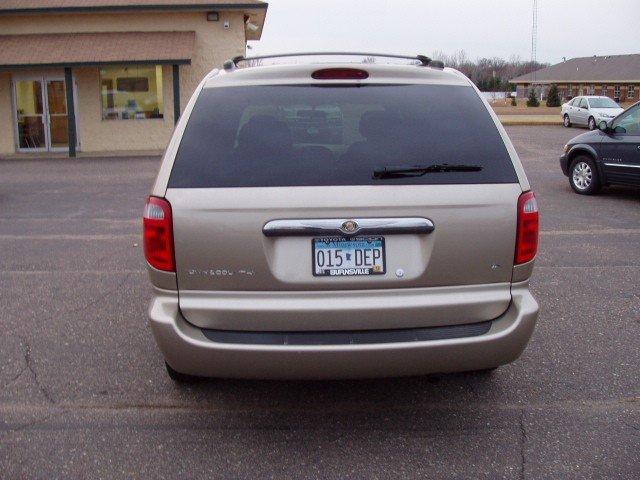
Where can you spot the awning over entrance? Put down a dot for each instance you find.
(71, 50)
(84, 49)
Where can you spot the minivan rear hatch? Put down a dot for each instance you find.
(256, 162)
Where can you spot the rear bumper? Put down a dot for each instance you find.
(187, 349)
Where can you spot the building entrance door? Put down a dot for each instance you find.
(41, 114)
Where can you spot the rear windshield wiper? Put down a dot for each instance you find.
(420, 170)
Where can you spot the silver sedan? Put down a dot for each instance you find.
(589, 111)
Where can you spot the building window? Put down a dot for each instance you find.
(592, 89)
(631, 92)
(604, 89)
(616, 91)
(131, 92)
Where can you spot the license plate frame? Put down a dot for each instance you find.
(353, 271)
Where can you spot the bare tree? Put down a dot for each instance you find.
(489, 74)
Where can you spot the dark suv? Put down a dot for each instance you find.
(607, 156)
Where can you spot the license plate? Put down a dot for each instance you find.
(342, 257)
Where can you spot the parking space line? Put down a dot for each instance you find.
(67, 272)
(601, 231)
(94, 237)
(590, 267)
(629, 403)
(127, 221)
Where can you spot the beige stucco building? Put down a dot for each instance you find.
(614, 76)
(113, 74)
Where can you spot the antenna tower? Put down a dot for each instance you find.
(534, 39)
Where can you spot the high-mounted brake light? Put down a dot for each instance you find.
(158, 235)
(528, 228)
(340, 74)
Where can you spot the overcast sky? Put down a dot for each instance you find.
(566, 28)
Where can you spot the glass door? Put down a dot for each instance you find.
(30, 110)
(57, 120)
(41, 114)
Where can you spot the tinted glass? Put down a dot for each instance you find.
(583, 103)
(603, 103)
(629, 122)
(310, 135)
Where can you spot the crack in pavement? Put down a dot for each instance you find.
(27, 359)
(27, 346)
(28, 365)
(22, 370)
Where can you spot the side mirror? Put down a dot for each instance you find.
(603, 125)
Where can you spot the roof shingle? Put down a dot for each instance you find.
(610, 69)
(36, 5)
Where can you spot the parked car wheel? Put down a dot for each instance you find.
(181, 378)
(583, 176)
(566, 121)
(592, 123)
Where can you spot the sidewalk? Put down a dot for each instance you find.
(91, 155)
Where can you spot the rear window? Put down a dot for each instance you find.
(337, 135)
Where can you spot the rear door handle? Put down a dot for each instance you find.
(348, 227)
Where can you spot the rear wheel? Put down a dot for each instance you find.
(583, 176)
(566, 121)
(592, 123)
(181, 378)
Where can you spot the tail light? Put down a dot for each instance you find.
(340, 74)
(158, 235)
(528, 228)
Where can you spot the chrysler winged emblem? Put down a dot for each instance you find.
(350, 226)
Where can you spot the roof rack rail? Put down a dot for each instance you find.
(233, 63)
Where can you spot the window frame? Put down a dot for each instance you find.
(631, 89)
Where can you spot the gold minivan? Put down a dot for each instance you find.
(330, 217)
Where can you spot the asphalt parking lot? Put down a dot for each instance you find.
(83, 392)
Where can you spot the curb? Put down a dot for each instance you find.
(531, 122)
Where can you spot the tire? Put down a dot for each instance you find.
(583, 176)
(592, 123)
(566, 121)
(181, 378)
